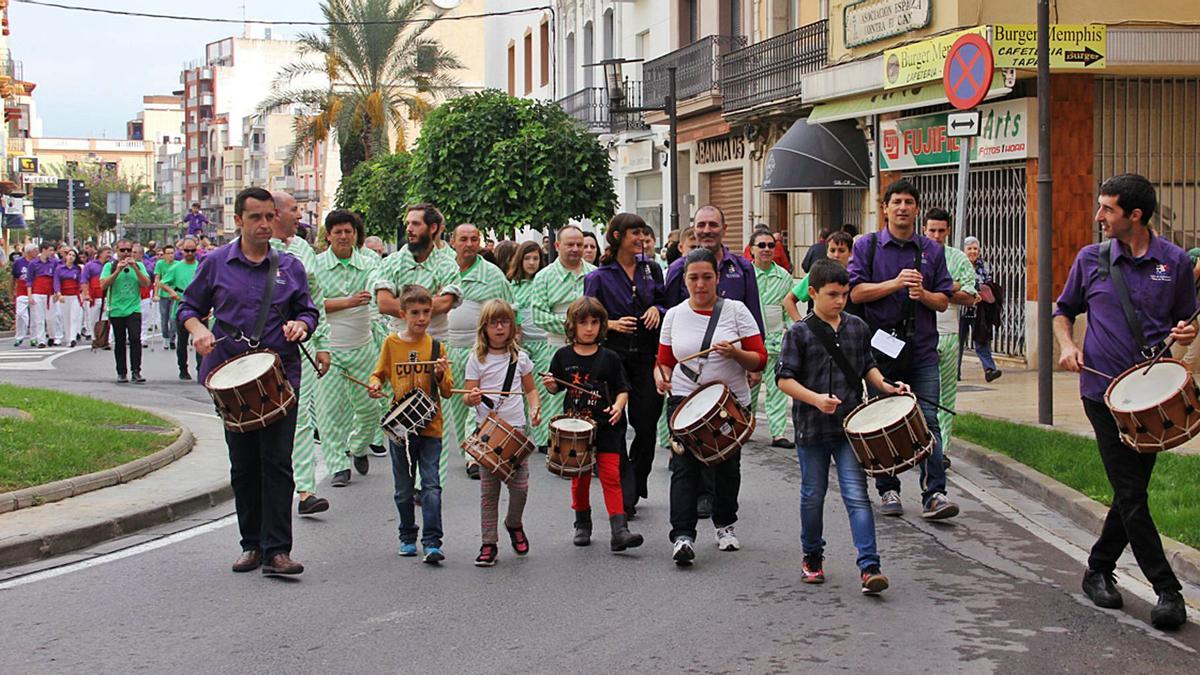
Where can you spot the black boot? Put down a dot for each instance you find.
(583, 527)
(622, 538)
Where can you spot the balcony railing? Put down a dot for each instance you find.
(769, 71)
(14, 70)
(697, 69)
(592, 107)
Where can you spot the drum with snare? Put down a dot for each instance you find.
(888, 434)
(572, 446)
(498, 446)
(250, 390)
(409, 415)
(712, 424)
(1155, 410)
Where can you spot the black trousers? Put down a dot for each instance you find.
(686, 482)
(127, 330)
(181, 350)
(1129, 520)
(261, 474)
(645, 405)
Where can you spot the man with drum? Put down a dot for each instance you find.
(417, 263)
(736, 281)
(232, 285)
(900, 279)
(479, 281)
(1137, 297)
(555, 287)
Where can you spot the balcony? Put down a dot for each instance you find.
(697, 69)
(206, 99)
(769, 72)
(305, 195)
(13, 70)
(591, 106)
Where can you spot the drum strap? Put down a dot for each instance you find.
(508, 380)
(694, 375)
(264, 307)
(435, 353)
(824, 333)
(1107, 269)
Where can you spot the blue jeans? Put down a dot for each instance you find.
(984, 352)
(852, 482)
(164, 313)
(925, 382)
(424, 452)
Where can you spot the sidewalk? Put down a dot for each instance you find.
(198, 481)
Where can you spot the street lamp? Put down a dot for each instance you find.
(617, 87)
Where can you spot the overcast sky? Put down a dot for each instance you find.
(92, 70)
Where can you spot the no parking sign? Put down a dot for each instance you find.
(967, 75)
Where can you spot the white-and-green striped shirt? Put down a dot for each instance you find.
(774, 283)
(482, 281)
(963, 274)
(349, 328)
(303, 251)
(436, 273)
(554, 288)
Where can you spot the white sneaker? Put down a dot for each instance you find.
(683, 555)
(726, 539)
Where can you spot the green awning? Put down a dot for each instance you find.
(892, 100)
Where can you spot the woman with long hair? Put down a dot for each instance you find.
(67, 292)
(630, 286)
(591, 249)
(524, 264)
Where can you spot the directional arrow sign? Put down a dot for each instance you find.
(963, 124)
(1087, 57)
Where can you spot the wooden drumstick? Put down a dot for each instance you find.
(1167, 347)
(922, 399)
(706, 351)
(586, 392)
(355, 380)
(1104, 375)
(492, 392)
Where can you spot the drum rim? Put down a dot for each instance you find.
(865, 404)
(682, 404)
(237, 357)
(1112, 386)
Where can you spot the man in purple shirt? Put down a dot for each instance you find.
(41, 275)
(22, 273)
(1158, 277)
(92, 294)
(900, 279)
(196, 221)
(230, 283)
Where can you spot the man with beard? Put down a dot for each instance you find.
(419, 263)
(480, 281)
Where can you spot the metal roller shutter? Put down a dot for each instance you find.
(725, 192)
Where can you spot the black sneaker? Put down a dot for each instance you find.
(362, 465)
(340, 479)
(1169, 613)
(544, 449)
(473, 471)
(121, 379)
(312, 504)
(137, 377)
(487, 555)
(704, 506)
(1101, 588)
(873, 581)
(379, 451)
(993, 375)
(185, 375)
(782, 442)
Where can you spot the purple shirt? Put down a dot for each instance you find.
(1160, 288)
(624, 297)
(90, 270)
(231, 287)
(891, 256)
(64, 272)
(196, 222)
(41, 268)
(737, 282)
(22, 272)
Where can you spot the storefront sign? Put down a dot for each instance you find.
(636, 156)
(1008, 132)
(1072, 46)
(723, 149)
(922, 61)
(873, 20)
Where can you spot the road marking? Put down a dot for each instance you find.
(34, 359)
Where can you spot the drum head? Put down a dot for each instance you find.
(572, 425)
(1139, 389)
(697, 406)
(880, 413)
(241, 369)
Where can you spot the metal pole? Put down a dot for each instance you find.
(964, 176)
(1045, 196)
(673, 114)
(71, 210)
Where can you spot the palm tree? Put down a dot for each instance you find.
(378, 69)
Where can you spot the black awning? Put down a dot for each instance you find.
(828, 156)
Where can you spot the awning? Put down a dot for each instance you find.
(829, 156)
(893, 100)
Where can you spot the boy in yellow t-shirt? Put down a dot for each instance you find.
(409, 361)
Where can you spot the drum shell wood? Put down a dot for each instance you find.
(894, 448)
(1162, 426)
(409, 422)
(571, 453)
(498, 446)
(255, 404)
(718, 434)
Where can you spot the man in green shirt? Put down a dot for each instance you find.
(171, 284)
(166, 258)
(121, 281)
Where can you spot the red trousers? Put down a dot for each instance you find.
(608, 465)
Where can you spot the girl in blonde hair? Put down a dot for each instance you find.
(496, 364)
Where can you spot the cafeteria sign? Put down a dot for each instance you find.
(923, 141)
(922, 61)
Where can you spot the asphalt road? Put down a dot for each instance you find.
(994, 590)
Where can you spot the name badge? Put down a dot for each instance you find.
(887, 343)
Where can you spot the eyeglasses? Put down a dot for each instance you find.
(500, 322)
(124, 250)
(765, 244)
(189, 250)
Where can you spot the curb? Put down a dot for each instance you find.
(71, 487)
(1081, 509)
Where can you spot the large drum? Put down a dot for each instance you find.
(409, 415)
(712, 424)
(572, 449)
(1155, 410)
(250, 390)
(888, 435)
(498, 446)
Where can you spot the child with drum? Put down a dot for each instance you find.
(595, 390)
(413, 360)
(495, 365)
(822, 363)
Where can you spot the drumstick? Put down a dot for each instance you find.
(355, 380)
(922, 399)
(303, 349)
(572, 386)
(494, 392)
(706, 351)
(1170, 343)
(1096, 372)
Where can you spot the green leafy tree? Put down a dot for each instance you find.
(382, 70)
(100, 181)
(503, 163)
(378, 191)
(149, 210)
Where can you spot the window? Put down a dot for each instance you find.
(512, 70)
(528, 63)
(570, 69)
(544, 52)
(607, 34)
(589, 54)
